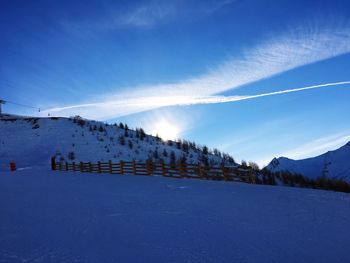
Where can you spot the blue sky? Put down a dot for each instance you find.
(185, 69)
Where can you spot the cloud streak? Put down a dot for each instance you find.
(298, 47)
(120, 108)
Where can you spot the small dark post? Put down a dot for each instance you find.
(148, 167)
(181, 168)
(110, 167)
(251, 176)
(134, 167)
(121, 167)
(81, 166)
(224, 172)
(99, 167)
(163, 168)
(200, 175)
(90, 167)
(53, 163)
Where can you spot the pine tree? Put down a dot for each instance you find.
(205, 150)
(126, 130)
(142, 134)
(121, 140)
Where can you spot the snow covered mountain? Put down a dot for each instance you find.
(29, 141)
(333, 164)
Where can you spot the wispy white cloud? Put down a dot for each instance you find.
(144, 16)
(153, 13)
(299, 47)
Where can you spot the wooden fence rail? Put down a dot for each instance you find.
(180, 170)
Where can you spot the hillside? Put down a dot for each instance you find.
(333, 164)
(33, 141)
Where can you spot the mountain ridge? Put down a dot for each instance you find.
(333, 164)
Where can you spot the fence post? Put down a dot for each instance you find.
(110, 167)
(148, 167)
(181, 168)
(200, 174)
(90, 167)
(60, 166)
(99, 167)
(134, 167)
(163, 168)
(251, 176)
(73, 164)
(121, 167)
(224, 172)
(66, 166)
(53, 163)
(81, 166)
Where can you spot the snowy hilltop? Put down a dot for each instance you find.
(333, 164)
(29, 141)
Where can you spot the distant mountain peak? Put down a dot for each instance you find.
(334, 164)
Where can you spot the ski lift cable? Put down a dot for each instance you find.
(22, 105)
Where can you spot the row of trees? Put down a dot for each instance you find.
(298, 180)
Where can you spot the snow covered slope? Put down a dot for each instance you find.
(33, 141)
(68, 217)
(333, 164)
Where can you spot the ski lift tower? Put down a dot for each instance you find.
(1, 102)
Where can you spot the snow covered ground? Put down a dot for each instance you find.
(51, 216)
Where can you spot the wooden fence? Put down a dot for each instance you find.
(180, 170)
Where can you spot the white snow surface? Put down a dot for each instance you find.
(49, 216)
(333, 164)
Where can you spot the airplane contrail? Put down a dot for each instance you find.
(223, 99)
(124, 107)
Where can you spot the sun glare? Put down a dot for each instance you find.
(166, 130)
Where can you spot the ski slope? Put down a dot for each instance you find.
(49, 216)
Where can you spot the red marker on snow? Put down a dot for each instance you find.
(12, 166)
